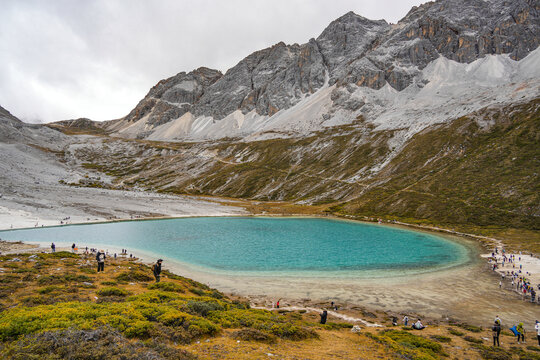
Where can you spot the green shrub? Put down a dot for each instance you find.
(167, 286)
(472, 339)
(77, 278)
(405, 337)
(88, 270)
(201, 307)
(49, 289)
(201, 327)
(198, 291)
(455, 332)
(174, 318)
(134, 276)
(100, 343)
(493, 353)
(51, 279)
(216, 294)
(254, 335)
(109, 283)
(57, 255)
(113, 291)
(441, 338)
(336, 326)
(292, 332)
(139, 329)
(471, 328)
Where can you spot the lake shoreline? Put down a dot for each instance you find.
(448, 293)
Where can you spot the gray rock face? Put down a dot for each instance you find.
(173, 97)
(351, 50)
(267, 81)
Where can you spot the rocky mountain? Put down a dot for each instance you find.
(431, 120)
(293, 90)
(14, 131)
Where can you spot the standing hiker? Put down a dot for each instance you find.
(53, 247)
(537, 328)
(496, 332)
(324, 316)
(520, 332)
(100, 257)
(156, 269)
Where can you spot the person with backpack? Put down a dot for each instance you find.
(100, 257)
(496, 329)
(520, 332)
(156, 269)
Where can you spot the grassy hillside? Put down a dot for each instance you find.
(55, 306)
(479, 173)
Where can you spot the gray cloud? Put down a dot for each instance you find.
(65, 59)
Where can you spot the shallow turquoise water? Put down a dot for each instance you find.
(264, 244)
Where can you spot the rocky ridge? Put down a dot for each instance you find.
(352, 52)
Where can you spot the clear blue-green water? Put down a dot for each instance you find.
(262, 245)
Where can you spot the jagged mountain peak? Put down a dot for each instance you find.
(316, 80)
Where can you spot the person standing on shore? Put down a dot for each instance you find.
(73, 248)
(496, 332)
(405, 320)
(100, 257)
(324, 316)
(157, 270)
(53, 247)
(537, 328)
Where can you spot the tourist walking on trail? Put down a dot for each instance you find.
(537, 328)
(496, 332)
(100, 257)
(53, 247)
(157, 270)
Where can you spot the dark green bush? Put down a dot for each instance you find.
(113, 291)
(167, 286)
(441, 338)
(134, 276)
(455, 332)
(51, 279)
(49, 289)
(202, 308)
(57, 255)
(472, 339)
(292, 332)
(109, 283)
(101, 343)
(254, 335)
(471, 328)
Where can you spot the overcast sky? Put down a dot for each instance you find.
(64, 59)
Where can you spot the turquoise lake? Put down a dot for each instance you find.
(263, 245)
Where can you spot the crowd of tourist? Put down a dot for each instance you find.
(514, 274)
